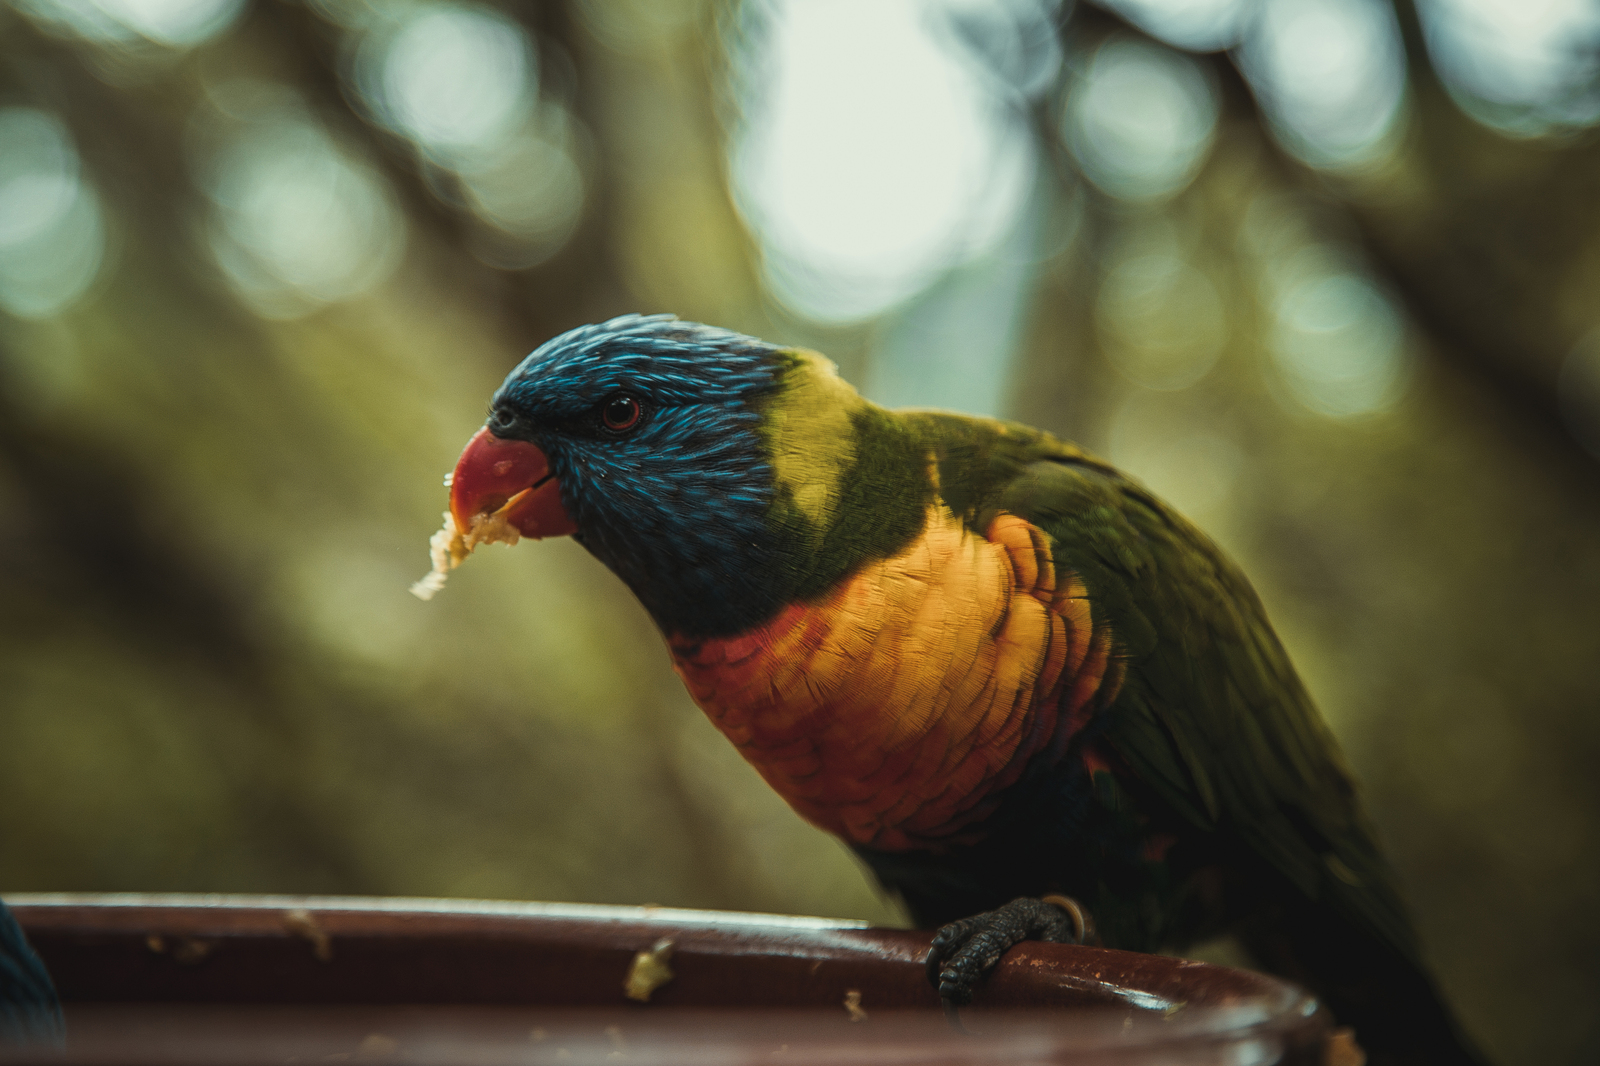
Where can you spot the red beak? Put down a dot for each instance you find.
(510, 481)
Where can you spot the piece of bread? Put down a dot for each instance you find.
(450, 546)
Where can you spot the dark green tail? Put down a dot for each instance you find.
(1398, 1014)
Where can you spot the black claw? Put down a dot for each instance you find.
(931, 967)
(964, 952)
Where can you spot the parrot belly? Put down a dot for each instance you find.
(894, 710)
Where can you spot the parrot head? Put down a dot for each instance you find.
(678, 454)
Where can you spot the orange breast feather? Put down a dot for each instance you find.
(892, 710)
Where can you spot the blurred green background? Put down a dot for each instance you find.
(1322, 272)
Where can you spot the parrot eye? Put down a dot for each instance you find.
(620, 413)
(501, 419)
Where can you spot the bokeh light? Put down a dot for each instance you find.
(1015, 42)
(1331, 76)
(52, 235)
(453, 78)
(1195, 25)
(955, 346)
(461, 82)
(298, 221)
(1337, 340)
(174, 23)
(871, 155)
(1579, 392)
(1160, 318)
(1525, 67)
(1141, 120)
(531, 190)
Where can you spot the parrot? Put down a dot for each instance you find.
(29, 1010)
(1034, 699)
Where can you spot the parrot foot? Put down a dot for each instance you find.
(965, 951)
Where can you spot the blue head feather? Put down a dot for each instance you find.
(676, 508)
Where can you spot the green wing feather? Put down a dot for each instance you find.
(1211, 716)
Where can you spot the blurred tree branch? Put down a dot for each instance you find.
(1485, 293)
(532, 304)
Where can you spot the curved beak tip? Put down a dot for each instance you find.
(500, 491)
(504, 483)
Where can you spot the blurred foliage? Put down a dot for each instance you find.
(223, 421)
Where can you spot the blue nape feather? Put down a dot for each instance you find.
(678, 508)
(29, 1010)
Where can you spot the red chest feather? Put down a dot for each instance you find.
(892, 710)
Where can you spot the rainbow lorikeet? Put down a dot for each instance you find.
(994, 666)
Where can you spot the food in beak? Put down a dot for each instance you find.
(501, 491)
